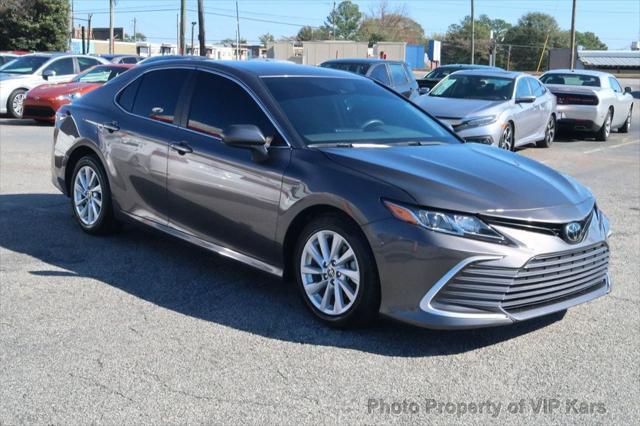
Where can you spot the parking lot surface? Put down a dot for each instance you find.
(140, 328)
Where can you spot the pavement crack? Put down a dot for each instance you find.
(93, 382)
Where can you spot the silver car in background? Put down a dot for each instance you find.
(505, 109)
(590, 101)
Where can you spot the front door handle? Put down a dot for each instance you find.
(181, 148)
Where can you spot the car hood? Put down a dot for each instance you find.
(53, 90)
(459, 108)
(474, 179)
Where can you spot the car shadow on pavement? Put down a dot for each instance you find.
(7, 121)
(194, 282)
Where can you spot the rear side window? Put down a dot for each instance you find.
(218, 103)
(380, 74)
(129, 60)
(157, 94)
(128, 95)
(356, 68)
(397, 74)
(86, 63)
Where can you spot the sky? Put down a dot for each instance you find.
(616, 22)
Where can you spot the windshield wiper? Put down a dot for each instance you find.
(419, 143)
(331, 145)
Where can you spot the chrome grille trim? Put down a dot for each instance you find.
(543, 280)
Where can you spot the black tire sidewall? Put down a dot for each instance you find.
(105, 219)
(367, 300)
(12, 96)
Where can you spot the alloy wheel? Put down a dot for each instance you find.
(87, 195)
(330, 273)
(607, 125)
(18, 103)
(551, 130)
(506, 141)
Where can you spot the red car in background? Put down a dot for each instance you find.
(42, 102)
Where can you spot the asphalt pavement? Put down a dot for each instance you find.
(137, 328)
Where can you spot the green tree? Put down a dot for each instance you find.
(266, 38)
(589, 41)
(390, 27)
(343, 22)
(233, 41)
(529, 36)
(34, 25)
(457, 40)
(138, 37)
(307, 33)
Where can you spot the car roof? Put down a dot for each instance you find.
(360, 61)
(255, 68)
(581, 72)
(492, 72)
(468, 66)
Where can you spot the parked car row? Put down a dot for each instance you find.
(330, 178)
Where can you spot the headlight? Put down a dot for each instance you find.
(477, 121)
(446, 222)
(69, 96)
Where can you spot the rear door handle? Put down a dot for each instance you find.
(181, 148)
(111, 126)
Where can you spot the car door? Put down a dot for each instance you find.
(138, 141)
(621, 104)
(399, 79)
(62, 70)
(218, 193)
(543, 106)
(525, 115)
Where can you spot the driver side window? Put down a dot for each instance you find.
(218, 103)
(523, 89)
(62, 66)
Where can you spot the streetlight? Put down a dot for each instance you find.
(193, 24)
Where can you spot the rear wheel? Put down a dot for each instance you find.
(336, 273)
(603, 134)
(91, 197)
(507, 139)
(15, 103)
(549, 134)
(627, 124)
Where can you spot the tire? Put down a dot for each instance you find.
(358, 289)
(15, 103)
(627, 124)
(603, 134)
(89, 180)
(507, 139)
(549, 134)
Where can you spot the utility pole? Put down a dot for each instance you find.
(111, 44)
(203, 48)
(193, 24)
(473, 34)
(134, 30)
(89, 34)
(573, 35)
(183, 18)
(237, 33)
(71, 26)
(177, 30)
(509, 58)
(333, 23)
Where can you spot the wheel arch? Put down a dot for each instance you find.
(81, 150)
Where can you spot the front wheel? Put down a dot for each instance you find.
(336, 273)
(507, 138)
(91, 197)
(549, 134)
(627, 124)
(15, 103)
(603, 134)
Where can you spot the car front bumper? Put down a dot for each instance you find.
(487, 135)
(416, 266)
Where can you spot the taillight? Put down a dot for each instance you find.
(570, 99)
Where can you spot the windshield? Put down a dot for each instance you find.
(474, 87)
(326, 110)
(571, 79)
(99, 74)
(24, 65)
(356, 68)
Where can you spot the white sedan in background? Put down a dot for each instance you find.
(28, 71)
(590, 101)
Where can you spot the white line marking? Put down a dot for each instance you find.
(609, 147)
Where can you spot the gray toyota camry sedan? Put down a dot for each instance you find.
(334, 181)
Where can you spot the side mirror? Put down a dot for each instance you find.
(627, 90)
(526, 100)
(48, 73)
(423, 90)
(247, 136)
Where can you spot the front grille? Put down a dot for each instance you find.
(38, 111)
(543, 280)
